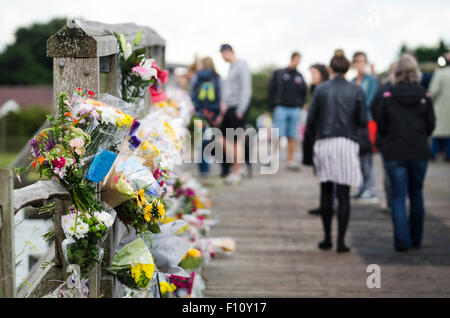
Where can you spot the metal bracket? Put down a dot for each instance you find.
(105, 64)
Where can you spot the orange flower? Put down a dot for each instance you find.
(41, 160)
(44, 134)
(67, 114)
(34, 164)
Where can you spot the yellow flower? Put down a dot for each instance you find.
(165, 287)
(148, 270)
(140, 198)
(192, 252)
(124, 120)
(161, 211)
(198, 203)
(147, 213)
(136, 271)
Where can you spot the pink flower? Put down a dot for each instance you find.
(76, 143)
(139, 70)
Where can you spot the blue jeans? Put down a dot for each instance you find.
(438, 144)
(367, 173)
(286, 120)
(407, 177)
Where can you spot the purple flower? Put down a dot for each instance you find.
(51, 142)
(135, 141)
(34, 144)
(134, 127)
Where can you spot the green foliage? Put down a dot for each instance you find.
(259, 102)
(84, 253)
(25, 62)
(21, 126)
(426, 53)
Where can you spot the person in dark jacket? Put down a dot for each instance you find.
(287, 93)
(206, 95)
(405, 119)
(337, 112)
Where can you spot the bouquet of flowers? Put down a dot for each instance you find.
(57, 153)
(84, 232)
(142, 212)
(192, 260)
(133, 265)
(127, 176)
(108, 127)
(137, 72)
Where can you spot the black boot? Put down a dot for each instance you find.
(343, 216)
(315, 211)
(326, 221)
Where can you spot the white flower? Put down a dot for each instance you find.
(105, 218)
(152, 72)
(108, 115)
(68, 225)
(127, 51)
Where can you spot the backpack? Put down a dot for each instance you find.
(207, 94)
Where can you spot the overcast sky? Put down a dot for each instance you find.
(262, 32)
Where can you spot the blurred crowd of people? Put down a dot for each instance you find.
(347, 122)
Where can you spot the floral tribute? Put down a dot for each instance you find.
(137, 72)
(133, 265)
(142, 212)
(84, 232)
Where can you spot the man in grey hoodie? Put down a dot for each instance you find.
(236, 99)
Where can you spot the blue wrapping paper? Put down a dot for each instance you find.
(101, 165)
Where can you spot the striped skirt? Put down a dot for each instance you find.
(336, 159)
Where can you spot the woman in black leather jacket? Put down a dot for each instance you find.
(337, 113)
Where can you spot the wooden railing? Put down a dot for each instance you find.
(85, 55)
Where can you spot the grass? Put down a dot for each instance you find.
(6, 159)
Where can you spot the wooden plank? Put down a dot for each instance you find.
(7, 251)
(42, 281)
(37, 193)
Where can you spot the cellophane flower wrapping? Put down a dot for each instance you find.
(108, 123)
(127, 176)
(84, 233)
(133, 265)
(168, 249)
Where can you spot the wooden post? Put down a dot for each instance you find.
(7, 249)
(85, 55)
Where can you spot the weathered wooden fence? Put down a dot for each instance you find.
(85, 55)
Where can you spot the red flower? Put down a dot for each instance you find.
(91, 93)
(59, 163)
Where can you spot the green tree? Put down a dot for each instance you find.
(259, 102)
(25, 62)
(426, 53)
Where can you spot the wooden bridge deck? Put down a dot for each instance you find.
(276, 242)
